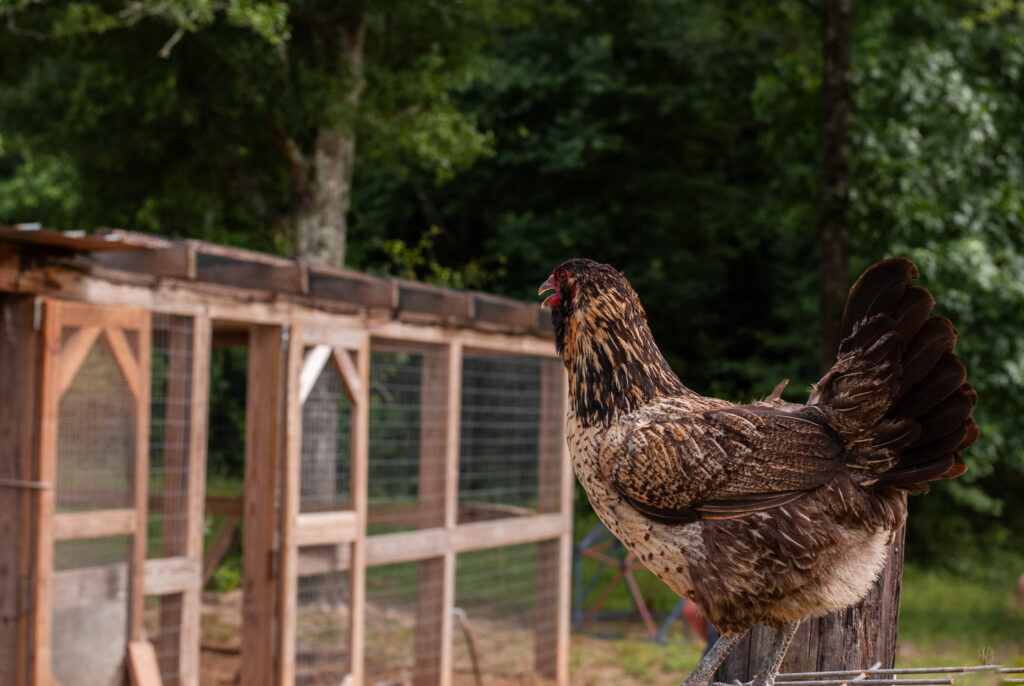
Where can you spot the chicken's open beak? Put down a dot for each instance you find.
(548, 285)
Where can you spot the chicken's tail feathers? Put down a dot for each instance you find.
(897, 394)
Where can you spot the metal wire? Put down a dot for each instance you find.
(326, 446)
(902, 670)
(507, 459)
(874, 676)
(322, 630)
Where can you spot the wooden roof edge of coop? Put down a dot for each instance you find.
(120, 256)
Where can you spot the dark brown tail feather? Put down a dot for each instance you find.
(896, 393)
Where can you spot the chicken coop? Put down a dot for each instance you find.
(385, 458)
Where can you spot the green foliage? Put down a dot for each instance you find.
(675, 139)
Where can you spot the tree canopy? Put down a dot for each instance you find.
(676, 139)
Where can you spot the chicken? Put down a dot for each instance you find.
(770, 512)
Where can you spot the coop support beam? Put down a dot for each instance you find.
(95, 524)
(360, 493)
(548, 590)
(262, 441)
(440, 396)
(46, 472)
(322, 528)
(198, 408)
(301, 377)
(17, 394)
(565, 541)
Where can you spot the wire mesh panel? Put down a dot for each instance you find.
(169, 451)
(322, 628)
(170, 399)
(500, 617)
(408, 401)
(510, 436)
(326, 474)
(400, 599)
(96, 436)
(96, 459)
(162, 624)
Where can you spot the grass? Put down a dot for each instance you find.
(949, 619)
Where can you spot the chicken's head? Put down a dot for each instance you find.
(588, 297)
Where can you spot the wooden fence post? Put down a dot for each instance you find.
(854, 638)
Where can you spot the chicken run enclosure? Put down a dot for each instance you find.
(401, 494)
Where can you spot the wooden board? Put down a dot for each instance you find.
(359, 488)
(262, 459)
(188, 674)
(301, 377)
(142, 665)
(17, 349)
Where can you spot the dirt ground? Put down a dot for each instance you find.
(609, 652)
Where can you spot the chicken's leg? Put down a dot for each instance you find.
(773, 660)
(701, 676)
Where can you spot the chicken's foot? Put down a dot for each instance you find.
(773, 660)
(701, 676)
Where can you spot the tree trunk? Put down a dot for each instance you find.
(859, 636)
(833, 231)
(324, 182)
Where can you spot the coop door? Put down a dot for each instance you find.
(325, 435)
(91, 524)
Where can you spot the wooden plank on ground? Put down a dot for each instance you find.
(262, 460)
(142, 665)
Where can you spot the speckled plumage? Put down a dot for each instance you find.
(770, 512)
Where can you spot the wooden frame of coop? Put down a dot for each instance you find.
(95, 541)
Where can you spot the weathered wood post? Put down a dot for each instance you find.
(854, 638)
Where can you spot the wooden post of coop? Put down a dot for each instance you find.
(262, 443)
(17, 386)
(854, 638)
(547, 637)
(440, 395)
(360, 503)
(191, 599)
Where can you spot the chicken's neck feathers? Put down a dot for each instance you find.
(614, 365)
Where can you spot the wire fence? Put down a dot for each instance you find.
(95, 471)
